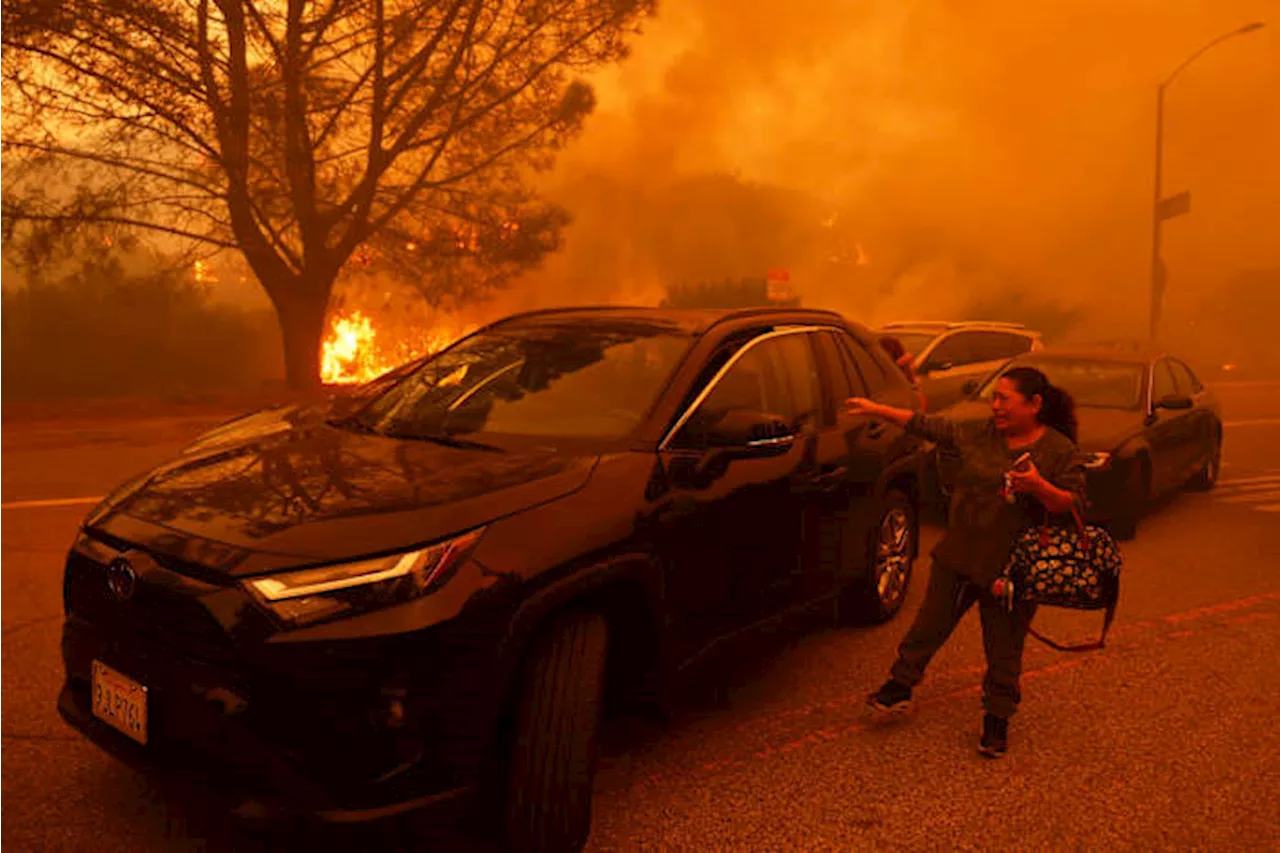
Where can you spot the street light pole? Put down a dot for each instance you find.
(1158, 213)
(1157, 262)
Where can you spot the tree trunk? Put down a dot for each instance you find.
(302, 325)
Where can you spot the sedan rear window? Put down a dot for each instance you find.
(1095, 384)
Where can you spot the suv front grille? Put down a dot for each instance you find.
(163, 619)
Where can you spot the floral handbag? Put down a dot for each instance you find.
(1065, 566)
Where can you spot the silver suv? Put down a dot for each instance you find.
(947, 355)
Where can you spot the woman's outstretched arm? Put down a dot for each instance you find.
(930, 427)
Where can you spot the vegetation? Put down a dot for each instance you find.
(120, 320)
(398, 132)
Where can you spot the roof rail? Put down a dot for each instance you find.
(994, 324)
(952, 324)
(564, 309)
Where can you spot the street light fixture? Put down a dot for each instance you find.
(1167, 208)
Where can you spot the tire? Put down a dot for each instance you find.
(553, 751)
(890, 557)
(1207, 477)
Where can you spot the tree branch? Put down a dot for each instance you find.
(137, 165)
(127, 91)
(120, 220)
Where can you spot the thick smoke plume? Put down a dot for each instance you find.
(914, 158)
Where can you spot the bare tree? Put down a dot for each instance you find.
(300, 133)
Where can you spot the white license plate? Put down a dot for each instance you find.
(120, 701)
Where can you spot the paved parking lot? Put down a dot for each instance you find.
(1167, 740)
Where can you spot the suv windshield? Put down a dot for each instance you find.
(1094, 384)
(570, 380)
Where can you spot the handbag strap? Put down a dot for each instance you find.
(1101, 642)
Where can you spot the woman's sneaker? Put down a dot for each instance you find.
(995, 736)
(892, 698)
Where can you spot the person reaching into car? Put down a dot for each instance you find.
(902, 358)
(991, 504)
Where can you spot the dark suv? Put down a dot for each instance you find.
(346, 614)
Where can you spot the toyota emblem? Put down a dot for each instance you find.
(121, 579)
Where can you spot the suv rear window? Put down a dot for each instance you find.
(998, 346)
(956, 350)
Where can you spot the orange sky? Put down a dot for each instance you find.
(1022, 131)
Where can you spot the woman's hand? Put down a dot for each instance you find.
(862, 406)
(1028, 481)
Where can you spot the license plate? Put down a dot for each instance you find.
(120, 702)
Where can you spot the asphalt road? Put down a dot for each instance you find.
(1167, 740)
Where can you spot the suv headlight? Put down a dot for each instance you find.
(1097, 461)
(310, 595)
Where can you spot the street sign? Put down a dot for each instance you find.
(778, 286)
(1174, 205)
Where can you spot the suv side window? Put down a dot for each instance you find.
(800, 372)
(778, 376)
(998, 346)
(1012, 344)
(1187, 382)
(955, 351)
(1163, 383)
(845, 381)
(862, 367)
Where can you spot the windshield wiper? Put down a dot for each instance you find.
(444, 439)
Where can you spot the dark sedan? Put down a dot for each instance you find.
(1148, 425)
(349, 612)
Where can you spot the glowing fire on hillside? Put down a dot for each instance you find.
(353, 351)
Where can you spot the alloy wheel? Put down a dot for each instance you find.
(893, 555)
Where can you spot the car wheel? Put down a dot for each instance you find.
(553, 751)
(891, 554)
(1207, 478)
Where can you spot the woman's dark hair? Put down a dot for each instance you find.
(893, 347)
(1057, 409)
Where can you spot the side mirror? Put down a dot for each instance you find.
(748, 433)
(1174, 401)
(970, 387)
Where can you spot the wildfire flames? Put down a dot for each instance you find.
(352, 351)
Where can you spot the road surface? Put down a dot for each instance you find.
(1167, 740)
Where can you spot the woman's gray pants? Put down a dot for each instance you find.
(947, 598)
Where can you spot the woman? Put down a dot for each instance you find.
(896, 351)
(991, 505)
